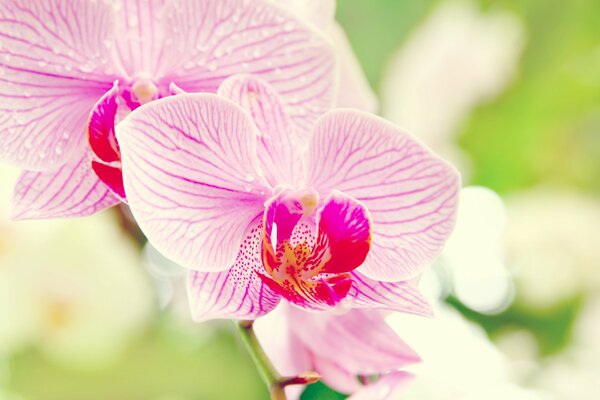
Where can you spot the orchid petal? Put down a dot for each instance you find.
(237, 293)
(71, 191)
(277, 143)
(142, 41)
(214, 39)
(360, 340)
(101, 126)
(335, 375)
(112, 177)
(288, 355)
(190, 175)
(410, 193)
(389, 387)
(400, 296)
(52, 71)
(275, 333)
(355, 91)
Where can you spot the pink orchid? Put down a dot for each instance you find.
(227, 188)
(340, 348)
(68, 67)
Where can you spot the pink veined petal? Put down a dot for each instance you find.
(214, 39)
(52, 71)
(237, 293)
(73, 190)
(360, 340)
(410, 193)
(190, 175)
(389, 387)
(355, 91)
(400, 296)
(140, 28)
(277, 143)
(335, 375)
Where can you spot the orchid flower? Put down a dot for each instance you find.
(68, 67)
(227, 188)
(340, 348)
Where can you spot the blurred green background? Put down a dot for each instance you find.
(539, 128)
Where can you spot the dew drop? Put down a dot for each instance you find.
(86, 68)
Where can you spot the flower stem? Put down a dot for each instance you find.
(275, 382)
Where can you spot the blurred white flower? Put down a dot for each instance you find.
(573, 374)
(459, 361)
(552, 244)
(521, 349)
(472, 264)
(74, 288)
(458, 58)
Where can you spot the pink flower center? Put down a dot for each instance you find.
(144, 91)
(309, 252)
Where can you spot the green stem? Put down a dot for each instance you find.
(267, 371)
(275, 382)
